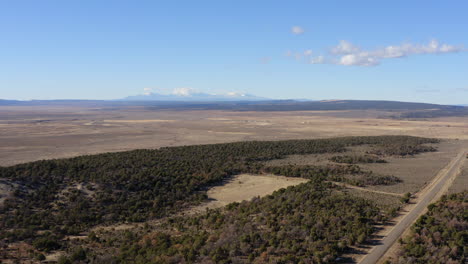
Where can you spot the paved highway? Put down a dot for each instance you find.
(433, 190)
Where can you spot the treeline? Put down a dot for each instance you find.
(351, 174)
(440, 235)
(142, 184)
(308, 223)
(356, 159)
(392, 149)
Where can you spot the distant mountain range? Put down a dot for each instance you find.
(194, 97)
(236, 102)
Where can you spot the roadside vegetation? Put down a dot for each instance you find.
(440, 235)
(57, 198)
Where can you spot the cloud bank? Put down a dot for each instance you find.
(348, 54)
(183, 91)
(147, 91)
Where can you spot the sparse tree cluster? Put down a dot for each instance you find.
(308, 223)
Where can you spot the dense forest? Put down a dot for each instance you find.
(55, 198)
(440, 235)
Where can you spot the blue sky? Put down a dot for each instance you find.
(392, 50)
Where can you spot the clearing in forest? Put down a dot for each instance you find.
(244, 187)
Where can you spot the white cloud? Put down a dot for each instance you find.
(297, 30)
(448, 48)
(183, 91)
(147, 91)
(360, 59)
(235, 94)
(317, 60)
(344, 47)
(348, 54)
(351, 55)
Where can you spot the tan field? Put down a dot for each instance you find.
(244, 187)
(40, 132)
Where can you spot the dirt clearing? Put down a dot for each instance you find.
(245, 187)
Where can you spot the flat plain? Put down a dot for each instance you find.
(46, 132)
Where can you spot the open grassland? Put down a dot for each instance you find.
(32, 133)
